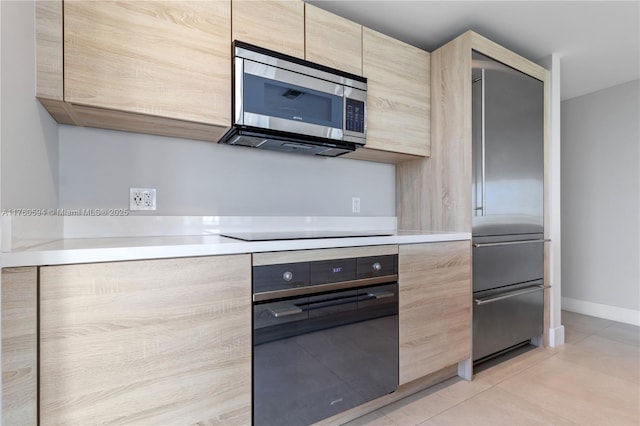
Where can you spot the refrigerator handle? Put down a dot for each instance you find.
(483, 150)
(510, 295)
(509, 243)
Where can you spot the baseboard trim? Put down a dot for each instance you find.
(614, 313)
(556, 336)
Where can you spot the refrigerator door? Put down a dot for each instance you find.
(508, 136)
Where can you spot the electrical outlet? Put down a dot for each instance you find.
(142, 198)
(355, 205)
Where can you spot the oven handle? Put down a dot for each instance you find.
(378, 295)
(285, 311)
(307, 290)
(510, 295)
(294, 309)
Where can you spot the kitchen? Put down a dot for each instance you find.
(75, 167)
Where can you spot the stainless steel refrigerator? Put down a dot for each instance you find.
(507, 202)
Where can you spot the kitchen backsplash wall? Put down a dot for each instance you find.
(97, 167)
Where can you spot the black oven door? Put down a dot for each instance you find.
(319, 355)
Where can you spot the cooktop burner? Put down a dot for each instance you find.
(302, 235)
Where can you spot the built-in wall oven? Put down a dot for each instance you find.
(325, 336)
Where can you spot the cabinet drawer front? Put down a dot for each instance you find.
(501, 265)
(507, 322)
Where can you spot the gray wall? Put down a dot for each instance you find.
(600, 197)
(97, 168)
(29, 137)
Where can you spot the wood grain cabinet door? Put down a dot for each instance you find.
(152, 342)
(19, 346)
(398, 94)
(273, 24)
(332, 40)
(167, 59)
(435, 307)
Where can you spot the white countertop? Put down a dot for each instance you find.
(89, 250)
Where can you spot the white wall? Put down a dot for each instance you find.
(29, 137)
(97, 168)
(601, 203)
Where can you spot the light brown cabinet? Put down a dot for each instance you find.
(149, 342)
(273, 24)
(152, 67)
(398, 97)
(435, 307)
(19, 346)
(332, 40)
(165, 67)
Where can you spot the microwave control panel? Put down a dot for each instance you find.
(354, 115)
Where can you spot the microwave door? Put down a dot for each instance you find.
(282, 100)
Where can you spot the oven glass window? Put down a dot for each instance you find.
(274, 98)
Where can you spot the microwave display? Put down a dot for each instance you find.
(354, 115)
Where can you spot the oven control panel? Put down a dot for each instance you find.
(289, 279)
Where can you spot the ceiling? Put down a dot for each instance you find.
(598, 42)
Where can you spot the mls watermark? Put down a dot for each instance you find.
(64, 212)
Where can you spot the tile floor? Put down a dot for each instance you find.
(594, 379)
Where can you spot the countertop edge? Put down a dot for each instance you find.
(222, 246)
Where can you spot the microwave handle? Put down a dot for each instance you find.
(289, 77)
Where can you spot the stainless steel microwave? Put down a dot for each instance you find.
(288, 104)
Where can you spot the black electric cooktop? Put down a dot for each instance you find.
(301, 235)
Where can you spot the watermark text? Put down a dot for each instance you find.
(64, 212)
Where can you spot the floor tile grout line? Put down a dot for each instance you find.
(494, 385)
(586, 333)
(455, 405)
(525, 368)
(543, 408)
(490, 386)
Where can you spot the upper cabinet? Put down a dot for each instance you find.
(332, 40)
(151, 67)
(398, 95)
(165, 67)
(277, 25)
(168, 59)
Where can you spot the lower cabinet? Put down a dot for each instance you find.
(435, 307)
(146, 342)
(168, 341)
(19, 346)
